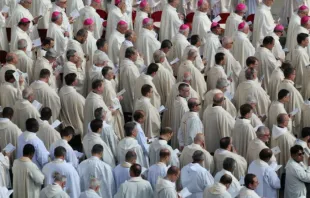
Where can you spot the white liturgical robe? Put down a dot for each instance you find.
(17, 35)
(53, 190)
(215, 73)
(275, 109)
(234, 187)
(9, 133)
(10, 94)
(218, 190)
(277, 48)
(47, 133)
(275, 79)
(196, 178)
(114, 45)
(57, 33)
(90, 193)
(218, 123)
(121, 173)
(154, 151)
(304, 145)
(109, 137)
(115, 15)
(293, 24)
(201, 24)
(254, 148)
(299, 61)
(66, 169)
(155, 172)
(138, 21)
(209, 49)
(70, 67)
(94, 167)
(246, 192)
(165, 188)
(232, 23)
(242, 48)
(135, 187)
(27, 178)
(179, 43)
(298, 30)
(25, 64)
(169, 19)
(268, 179)
(4, 44)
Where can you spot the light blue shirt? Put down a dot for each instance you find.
(142, 140)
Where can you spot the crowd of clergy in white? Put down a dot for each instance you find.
(170, 111)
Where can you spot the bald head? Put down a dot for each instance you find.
(265, 154)
(187, 76)
(11, 58)
(283, 119)
(192, 104)
(218, 99)
(199, 138)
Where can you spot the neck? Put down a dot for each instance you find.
(164, 137)
(96, 155)
(42, 118)
(66, 138)
(281, 126)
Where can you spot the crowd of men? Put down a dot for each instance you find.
(135, 108)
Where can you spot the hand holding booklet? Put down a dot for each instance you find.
(184, 193)
(276, 150)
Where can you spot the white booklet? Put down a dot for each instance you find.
(161, 109)
(276, 150)
(217, 19)
(36, 42)
(294, 112)
(184, 193)
(78, 154)
(75, 14)
(174, 61)
(37, 105)
(9, 148)
(121, 92)
(55, 124)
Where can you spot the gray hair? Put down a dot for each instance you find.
(251, 99)
(22, 44)
(229, 164)
(192, 53)
(98, 58)
(158, 55)
(50, 54)
(198, 156)
(28, 91)
(70, 53)
(130, 51)
(55, 18)
(261, 131)
(249, 73)
(10, 57)
(94, 183)
(148, 23)
(59, 177)
(221, 83)
(226, 40)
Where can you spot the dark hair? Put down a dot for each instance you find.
(100, 43)
(28, 150)
(245, 109)
(153, 67)
(136, 170)
(69, 130)
(105, 70)
(225, 142)
(305, 132)
(47, 41)
(249, 179)
(129, 127)
(32, 125)
(166, 130)
(195, 39)
(251, 60)
(301, 37)
(45, 73)
(226, 179)
(280, 118)
(60, 151)
(268, 40)
(95, 125)
(70, 53)
(145, 89)
(265, 154)
(138, 114)
(295, 149)
(182, 86)
(282, 93)
(130, 155)
(7, 112)
(198, 156)
(97, 149)
(46, 113)
(97, 83)
(164, 153)
(70, 78)
(98, 113)
(130, 51)
(191, 104)
(9, 75)
(219, 57)
(166, 44)
(173, 170)
(288, 71)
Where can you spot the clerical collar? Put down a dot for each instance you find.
(160, 138)
(216, 105)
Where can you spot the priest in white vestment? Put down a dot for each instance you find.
(217, 71)
(72, 104)
(92, 138)
(297, 174)
(163, 80)
(10, 93)
(66, 136)
(139, 118)
(147, 79)
(263, 22)
(227, 150)
(165, 187)
(152, 123)
(89, 11)
(95, 167)
(178, 108)
(250, 184)
(4, 44)
(92, 191)
(25, 63)
(162, 143)
(61, 166)
(115, 41)
(128, 76)
(243, 131)
(130, 143)
(294, 24)
(23, 167)
(267, 62)
(201, 23)
(277, 50)
(196, 178)
(251, 62)
(229, 165)
(242, 47)
(219, 189)
(188, 151)
(56, 188)
(250, 88)
(47, 133)
(142, 13)
(197, 81)
(296, 100)
(211, 45)
(147, 43)
(41, 155)
(218, 123)
(135, 186)
(302, 28)
(266, 175)
(190, 124)
(234, 20)
(282, 138)
(170, 18)
(46, 95)
(59, 35)
(25, 109)
(195, 41)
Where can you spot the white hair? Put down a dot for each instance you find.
(59, 177)
(192, 53)
(21, 44)
(158, 55)
(246, 26)
(184, 31)
(226, 40)
(251, 99)
(94, 183)
(262, 130)
(28, 91)
(99, 58)
(221, 83)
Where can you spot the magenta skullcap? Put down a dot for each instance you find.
(122, 22)
(55, 14)
(143, 4)
(304, 20)
(199, 3)
(279, 28)
(241, 25)
(303, 7)
(117, 2)
(97, 1)
(88, 21)
(24, 20)
(240, 7)
(214, 24)
(145, 21)
(184, 27)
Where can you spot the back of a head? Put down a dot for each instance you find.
(251, 60)
(59, 177)
(249, 179)
(97, 149)
(8, 76)
(245, 109)
(265, 154)
(138, 114)
(95, 125)
(221, 83)
(98, 113)
(195, 39)
(130, 51)
(165, 131)
(70, 78)
(166, 44)
(191, 103)
(301, 37)
(218, 98)
(82, 32)
(282, 93)
(229, 164)
(199, 138)
(105, 70)
(136, 170)
(225, 142)
(32, 125)
(163, 153)
(128, 34)
(69, 130)
(305, 132)
(198, 156)
(60, 152)
(173, 170)
(28, 150)
(145, 89)
(288, 72)
(28, 91)
(129, 128)
(226, 179)
(130, 156)
(281, 118)
(50, 54)
(46, 113)
(45, 73)
(285, 65)
(261, 131)
(153, 67)
(158, 56)
(249, 73)
(21, 44)
(10, 57)
(268, 40)
(47, 41)
(100, 43)
(219, 57)
(7, 112)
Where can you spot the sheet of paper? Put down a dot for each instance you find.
(143, 170)
(161, 109)
(78, 154)
(184, 193)
(55, 124)
(75, 14)
(16, 76)
(306, 150)
(217, 19)
(36, 42)
(151, 140)
(277, 168)
(116, 70)
(9, 148)
(276, 150)
(143, 69)
(229, 95)
(116, 104)
(8, 194)
(176, 151)
(5, 9)
(294, 112)
(285, 50)
(174, 61)
(37, 105)
(241, 181)
(249, 22)
(121, 92)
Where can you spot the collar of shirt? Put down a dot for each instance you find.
(126, 165)
(135, 179)
(4, 120)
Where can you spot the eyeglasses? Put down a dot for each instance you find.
(198, 104)
(300, 154)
